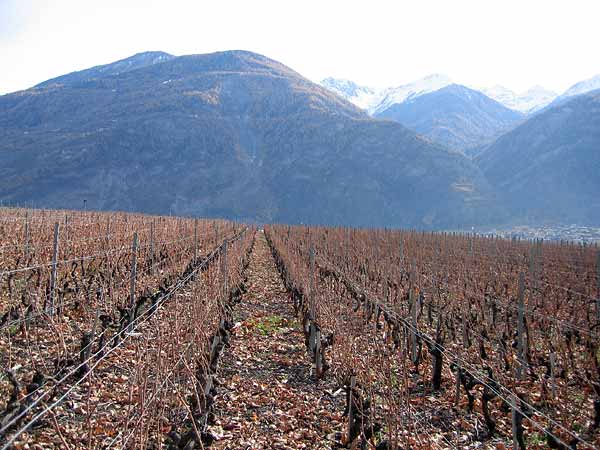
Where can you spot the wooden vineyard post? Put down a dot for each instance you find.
(26, 248)
(311, 300)
(347, 255)
(224, 269)
(318, 359)
(66, 236)
(152, 247)
(457, 386)
(413, 314)
(195, 240)
(532, 266)
(465, 329)
(552, 376)
(521, 327)
(350, 408)
(517, 422)
(214, 349)
(598, 286)
(514, 422)
(402, 252)
(134, 249)
(107, 233)
(54, 264)
(540, 258)
(99, 299)
(311, 261)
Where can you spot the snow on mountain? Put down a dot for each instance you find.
(455, 116)
(362, 96)
(378, 100)
(501, 95)
(527, 102)
(536, 98)
(400, 94)
(583, 86)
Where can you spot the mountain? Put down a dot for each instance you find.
(362, 96)
(134, 62)
(400, 94)
(229, 134)
(454, 116)
(583, 87)
(580, 88)
(528, 102)
(548, 168)
(374, 100)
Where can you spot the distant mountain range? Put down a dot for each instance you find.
(231, 134)
(583, 87)
(238, 135)
(455, 116)
(375, 100)
(528, 102)
(548, 168)
(465, 121)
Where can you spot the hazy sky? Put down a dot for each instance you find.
(516, 43)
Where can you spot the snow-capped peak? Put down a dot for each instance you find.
(583, 86)
(498, 93)
(527, 102)
(361, 96)
(376, 100)
(400, 94)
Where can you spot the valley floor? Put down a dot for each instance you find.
(267, 398)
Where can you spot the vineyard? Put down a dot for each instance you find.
(110, 323)
(133, 331)
(445, 341)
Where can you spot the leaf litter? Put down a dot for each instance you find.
(268, 398)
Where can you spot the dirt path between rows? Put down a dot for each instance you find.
(267, 398)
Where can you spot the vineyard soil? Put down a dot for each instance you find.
(268, 398)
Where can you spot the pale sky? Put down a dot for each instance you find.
(515, 43)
